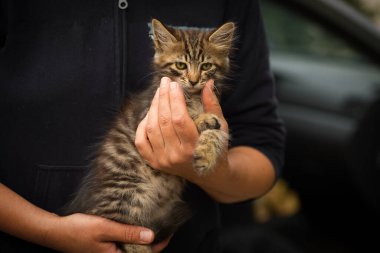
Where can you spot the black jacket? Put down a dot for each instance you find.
(65, 68)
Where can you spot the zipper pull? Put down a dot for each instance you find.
(123, 4)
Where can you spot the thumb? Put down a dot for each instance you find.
(210, 101)
(117, 232)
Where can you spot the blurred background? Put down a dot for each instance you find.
(325, 56)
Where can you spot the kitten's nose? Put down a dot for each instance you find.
(193, 83)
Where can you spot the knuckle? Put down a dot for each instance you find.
(179, 120)
(180, 157)
(164, 119)
(141, 146)
(131, 234)
(101, 224)
(139, 143)
(149, 128)
(174, 158)
(163, 162)
(141, 150)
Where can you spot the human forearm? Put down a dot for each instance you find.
(22, 219)
(246, 174)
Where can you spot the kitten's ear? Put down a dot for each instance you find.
(223, 37)
(162, 37)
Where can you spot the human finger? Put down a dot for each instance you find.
(142, 143)
(181, 120)
(211, 103)
(164, 111)
(117, 232)
(153, 130)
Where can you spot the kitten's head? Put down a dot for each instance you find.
(192, 56)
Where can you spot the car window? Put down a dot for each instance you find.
(316, 68)
(290, 31)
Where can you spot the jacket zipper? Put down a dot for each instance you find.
(123, 29)
(123, 4)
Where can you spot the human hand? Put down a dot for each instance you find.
(87, 233)
(167, 136)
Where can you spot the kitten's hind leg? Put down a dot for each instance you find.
(135, 248)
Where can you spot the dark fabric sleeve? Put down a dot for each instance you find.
(250, 105)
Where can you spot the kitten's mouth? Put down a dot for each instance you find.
(195, 89)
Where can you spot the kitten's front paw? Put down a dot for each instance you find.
(207, 121)
(211, 144)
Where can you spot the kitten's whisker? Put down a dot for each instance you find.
(148, 75)
(216, 90)
(208, 87)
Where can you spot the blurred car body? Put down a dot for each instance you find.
(325, 57)
(326, 61)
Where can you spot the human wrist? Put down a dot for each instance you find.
(52, 232)
(216, 183)
(20, 218)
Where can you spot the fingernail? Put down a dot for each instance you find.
(173, 85)
(146, 236)
(165, 79)
(163, 84)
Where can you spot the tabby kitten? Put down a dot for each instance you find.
(120, 185)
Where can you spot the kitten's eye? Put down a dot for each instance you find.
(180, 65)
(206, 66)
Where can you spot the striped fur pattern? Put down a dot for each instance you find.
(120, 185)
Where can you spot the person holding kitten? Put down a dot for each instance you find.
(64, 65)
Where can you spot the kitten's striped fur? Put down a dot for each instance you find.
(120, 185)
